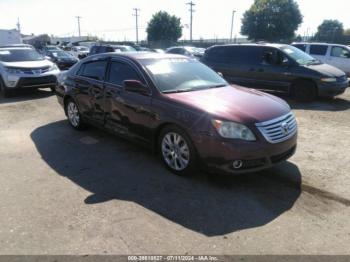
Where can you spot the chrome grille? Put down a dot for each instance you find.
(279, 129)
(33, 71)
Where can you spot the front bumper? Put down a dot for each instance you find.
(218, 154)
(22, 81)
(332, 89)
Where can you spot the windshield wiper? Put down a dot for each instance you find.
(313, 62)
(177, 90)
(218, 85)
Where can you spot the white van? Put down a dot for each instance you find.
(332, 54)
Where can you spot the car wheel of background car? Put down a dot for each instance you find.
(3, 91)
(176, 150)
(304, 91)
(73, 114)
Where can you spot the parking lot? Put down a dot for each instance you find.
(69, 192)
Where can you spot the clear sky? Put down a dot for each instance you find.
(113, 20)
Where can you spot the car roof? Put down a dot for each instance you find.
(316, 43)
(16, 48)
(136, 55)
(254, 45)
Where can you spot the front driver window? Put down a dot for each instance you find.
(274, 57)
(341, 52)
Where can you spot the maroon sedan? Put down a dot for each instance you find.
(181, 109)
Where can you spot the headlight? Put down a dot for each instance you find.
(53, 67)
(13, 70)
(329, 79)
(233, 130)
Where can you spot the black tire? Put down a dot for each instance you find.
(177, 154)
(74, 118)
(304, 91)
(5, 93)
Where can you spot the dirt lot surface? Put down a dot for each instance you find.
(69, 192)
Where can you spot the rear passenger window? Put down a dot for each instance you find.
(93, 50)
(217, 55)
(94, 70)
(119, 72)
(245, 55)
(318, 49)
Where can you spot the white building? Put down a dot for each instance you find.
(10, 37)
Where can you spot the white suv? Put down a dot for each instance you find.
(332, 54)
(23, 67)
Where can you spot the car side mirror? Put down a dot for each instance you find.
(135, 86)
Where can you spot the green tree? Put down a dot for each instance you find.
(164, 27)
(271, 20)
(330, 31)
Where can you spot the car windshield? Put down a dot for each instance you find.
(60, 54)
(125, 48)
(19, 55)
(181, 75)
(299, 56)
(82, 48)
(52, 48)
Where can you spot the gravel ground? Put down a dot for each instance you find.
(69, 192)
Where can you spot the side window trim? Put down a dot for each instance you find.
(91, 61)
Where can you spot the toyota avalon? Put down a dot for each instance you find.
(181, 109)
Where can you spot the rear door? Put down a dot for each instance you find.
(89, 87)
(127, 113)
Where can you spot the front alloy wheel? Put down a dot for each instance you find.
(177, 151)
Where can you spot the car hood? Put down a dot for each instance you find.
(234, 103)
(326, 70)
(28, 64)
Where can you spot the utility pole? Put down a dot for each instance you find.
(78, 18)
(137, 14)
(18, 25)
(233, 16)
(191, 4)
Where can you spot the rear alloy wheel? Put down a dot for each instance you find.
(176, 150)
(73, 115)
(304, 91)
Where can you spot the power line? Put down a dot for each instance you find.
(136, 14)
(191, 4)
(78, 18)
(233, 16)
